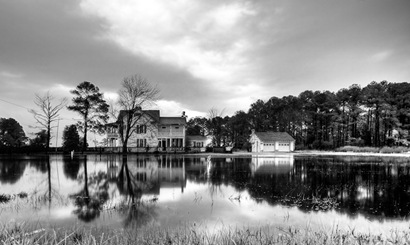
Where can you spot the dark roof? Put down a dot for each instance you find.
(274, 136)
(172, 120)
(196, 137)
(112, 124)
(154, 114)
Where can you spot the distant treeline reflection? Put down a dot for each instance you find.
(378, 188)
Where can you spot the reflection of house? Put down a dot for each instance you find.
(143, 173)
(150, 174)
(272, 141)
(151, 131)
(171, 172)
(273, 165)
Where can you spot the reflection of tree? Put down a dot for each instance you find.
(89, 205)
(71, 167)
(373, 186)
(45, 190)
(40, 164)
(137, 212)
(221, 171)
(11, 170)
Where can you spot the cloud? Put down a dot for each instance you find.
(207, 40)
(381, 56)
(7, 74)
(174, 108)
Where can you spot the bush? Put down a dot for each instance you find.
(300, 147)
(390, 141)
(349, 148)
(322, 145)
(355, 142)
(400, 149)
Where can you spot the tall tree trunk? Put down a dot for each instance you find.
(85, 134)
(377, 126)
(48, 137)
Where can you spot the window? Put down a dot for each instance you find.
(141, 129)
(141, 142)
(176, 127)
(141, 176)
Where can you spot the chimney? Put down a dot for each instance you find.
(183, 114)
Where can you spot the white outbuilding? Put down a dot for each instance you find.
(272, 141)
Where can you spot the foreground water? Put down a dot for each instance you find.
(367, 194)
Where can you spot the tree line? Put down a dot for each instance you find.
(88, 101)
(375, 115)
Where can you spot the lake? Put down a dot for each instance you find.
(368, 194)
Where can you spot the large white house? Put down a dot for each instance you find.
(151, 133)
(272, 141)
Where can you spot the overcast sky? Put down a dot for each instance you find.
(201, 54)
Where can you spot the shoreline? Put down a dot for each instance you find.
(300, 153)
(239, 154)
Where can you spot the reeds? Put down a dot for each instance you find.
(16, 235)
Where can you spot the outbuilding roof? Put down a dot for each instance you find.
(270, 137)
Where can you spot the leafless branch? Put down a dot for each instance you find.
(136, 92)
(214, 112)
(47, 111)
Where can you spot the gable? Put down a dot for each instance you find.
(271, 137)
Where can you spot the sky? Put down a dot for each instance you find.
(222, 54)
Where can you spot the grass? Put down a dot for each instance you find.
(15, 234)
(386, 149)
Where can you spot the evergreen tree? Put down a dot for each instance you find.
(71, 138)
(89, 103)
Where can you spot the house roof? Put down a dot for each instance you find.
(112, 124)
(154, 114)
(172, 120)
(196, 137)
(274, 136)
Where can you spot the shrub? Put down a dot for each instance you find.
(322, 145)
(400, 149)
(349, 148)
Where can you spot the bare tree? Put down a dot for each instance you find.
(216, 126)
(47, 113)
(214, 112)
(135, 93)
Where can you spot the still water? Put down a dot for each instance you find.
(361, 193)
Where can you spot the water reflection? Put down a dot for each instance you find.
(11, 170)
(71, 167)
(94, 194)
(144, 189)
(136, 178)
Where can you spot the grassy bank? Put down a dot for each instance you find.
(197, 235)
(385, 149)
